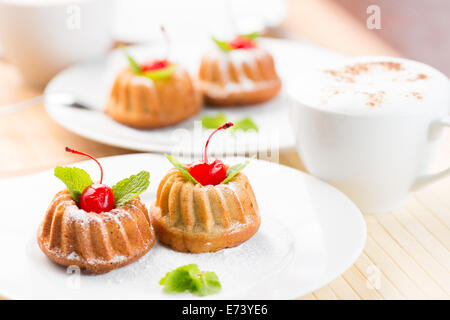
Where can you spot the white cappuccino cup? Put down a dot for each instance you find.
(370, 125)
(42, 37)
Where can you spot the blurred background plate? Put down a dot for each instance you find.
(90, 82)
(139, 20)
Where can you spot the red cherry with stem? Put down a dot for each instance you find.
(162, 63)
(209, 173)
(166, 40)
(97, 197)
(154, 65)
(242, 43)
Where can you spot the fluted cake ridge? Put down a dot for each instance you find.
(195, 218)
(96, 243)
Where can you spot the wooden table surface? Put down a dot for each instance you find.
(407, 251)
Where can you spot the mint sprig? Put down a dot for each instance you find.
(158, 74)
(213, 122)
(231, 172)
(223, 45)
(189, 277)
(134, 66)
(234, 170)
(251, 36)
(181, 168)
(75, 179)
(245, 124)
(129, 188)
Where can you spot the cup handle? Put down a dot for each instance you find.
(430, 178)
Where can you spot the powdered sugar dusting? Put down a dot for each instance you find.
(75, 214)
(234, 266)
(239, 59)
(74, 256)
(143, 81)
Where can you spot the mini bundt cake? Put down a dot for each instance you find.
(239, 75)
(194, 218)
(205, 206)
(94, 226)
(95, 242)
(140, 102)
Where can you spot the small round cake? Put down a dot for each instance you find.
(94, 226)
(95, 242)
(194, 218)
(206, 205)
(138, 101)
(241, 75)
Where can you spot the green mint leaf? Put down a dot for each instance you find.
(75, 179)
(234, 170)
(251, 36)
(130, 188)
(214, 122)
(181, 168)
(160, 74)
(180, 279)
(223, 45)
(208, 283)
(134, 66)
(245, 124)
(189, 277)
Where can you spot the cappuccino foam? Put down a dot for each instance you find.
(373, 86)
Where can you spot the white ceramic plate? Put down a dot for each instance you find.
(91, 82)
(310, 234)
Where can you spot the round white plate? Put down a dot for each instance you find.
(91, 82)
(310, 234)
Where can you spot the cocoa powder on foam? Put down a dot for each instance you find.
(348, 74)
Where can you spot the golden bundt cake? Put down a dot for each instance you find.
(238, 77)
(191, 217)
(95, 242)
(138, 101)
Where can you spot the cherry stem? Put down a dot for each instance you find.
(167, 41)
(224, 126)
(89, 156)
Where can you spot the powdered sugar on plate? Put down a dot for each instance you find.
(240, 267)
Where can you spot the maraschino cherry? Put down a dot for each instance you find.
(162, 63)
(241, 43)
(155, 65)
(97, 197)
(209, 173)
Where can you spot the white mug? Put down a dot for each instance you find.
(42, 37)
(375, 159)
